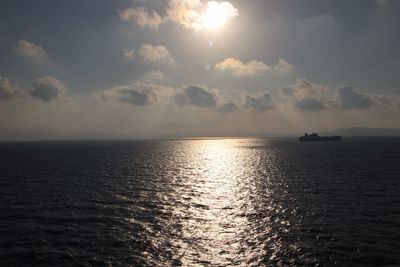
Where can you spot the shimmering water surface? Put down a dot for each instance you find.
(200, 202)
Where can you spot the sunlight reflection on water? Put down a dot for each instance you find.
(214, 222)
(274, 202)
(219, 189)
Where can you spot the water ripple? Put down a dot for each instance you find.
(200, 202)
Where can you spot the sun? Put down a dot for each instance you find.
(217, 14)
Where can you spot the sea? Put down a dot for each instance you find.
(200, 202)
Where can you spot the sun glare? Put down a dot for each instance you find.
(217, 14)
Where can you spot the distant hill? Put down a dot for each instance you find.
(358, 131)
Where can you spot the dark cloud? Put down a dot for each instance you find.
(227, 107)
(260, 102)
(349, 98)
(135, 97)
(196, 96)
(309, 96)
(140, 94)
(306, 95)
(310, 103)
(287, 90)
(47, 89)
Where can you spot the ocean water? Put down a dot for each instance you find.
(261, 202)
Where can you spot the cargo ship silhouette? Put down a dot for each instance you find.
(315, 137)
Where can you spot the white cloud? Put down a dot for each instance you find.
(191, 14)
(31, 51)
(252, 67)
(155, 53)
(217, 14)
(142, 17)
(240, 68)
(283, 65)
(47, 89)
(154, 76)
(7, 90)
(185, 13)
(129, 54)
(196, 15)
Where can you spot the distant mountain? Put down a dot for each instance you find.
(358, 131)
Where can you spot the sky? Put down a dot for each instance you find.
(99, 69)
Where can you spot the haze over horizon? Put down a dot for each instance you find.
(184, 68)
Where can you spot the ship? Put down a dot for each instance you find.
(315, 137)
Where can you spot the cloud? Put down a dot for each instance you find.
(240, 68)
(310, 103)
(288, 90)
(144, 94)
(7, 90)
(138, 94)
(227, 107)
(252, 67)
(349, 98)
(309, 96)
(47, 89)
(283, 65)
(389, 100)
(129, 54)
(260, 102)
(154, 76)
(33, 52)
(191, 14)
(202, 97)
(141, 17)
(382, 2)
(150, 53)
(305, 95)
(217, 14)
(383, 6)
(185, 13)
(155, 53)
(198, 96)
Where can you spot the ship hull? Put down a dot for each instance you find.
(319, 138)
